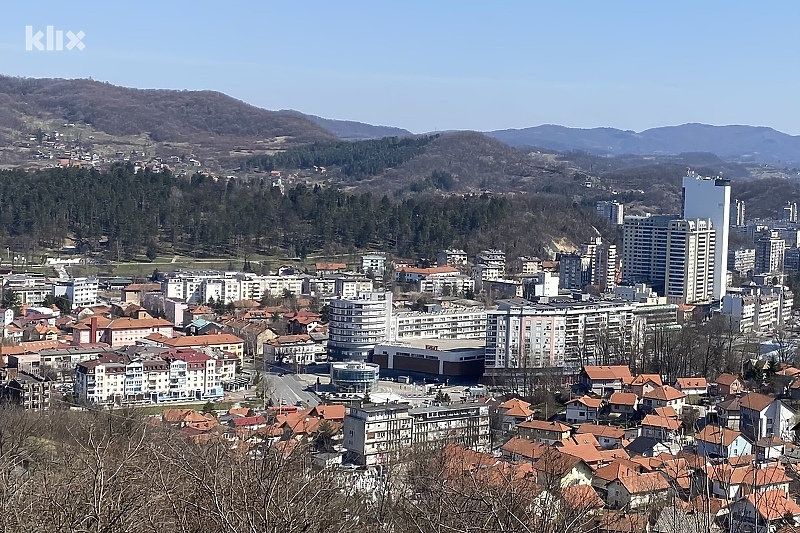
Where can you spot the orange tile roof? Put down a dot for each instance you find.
(587, 452)
(614, 454)
(429, 271)
(667, 411)
(524, 447)
(544, 425)
(773, 504)
(645, 483)
(330, 266)
(692, 383)
(201, 340)
(329, 412)
(516, 408)
(582, 497)
(750, 475)
(661, 422)
(599, 430)
(607, 372)
(718, 435)
(588, 401)
(726, 379)
(642, 379)
(583, 439)
(755, 401)
(664, 393)
(623, 398)
(617, 469)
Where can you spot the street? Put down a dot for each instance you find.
(289, 389)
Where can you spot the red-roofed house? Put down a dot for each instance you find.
(728, 384)
(664, 396)
(763, 416)
(623, 404)
(715, 441)
(761, 512)
(513, 412)
(583, 409)
(605, 380)
(607, 436)
(543, 431)
(695, 386)
(644, 383)
(661, 428)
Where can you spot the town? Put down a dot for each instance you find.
(653, 387)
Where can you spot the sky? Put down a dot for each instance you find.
(441, 65)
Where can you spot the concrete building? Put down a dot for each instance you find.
(32, 289)
(790, 211)
(451, 323)
(604, 268)
(612, 211)
(452, 258)
(770, 249)
(200, 286)
(355, 377)
(492, 258)
(465, 424)
(543, 284)
(742, 261)
(356, 325)
(740, 219)
(690, 261)
(710, 198)
(791, 260)
(29, 391)
(441, 358)
(81, 292)
(373, 263)
(564, 334)
(378, 434)
(758, 307)
(348, 288)
(574, 271)
(447, 285)
(644, 249)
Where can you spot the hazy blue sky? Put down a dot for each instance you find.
(426, 65)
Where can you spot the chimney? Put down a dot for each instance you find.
(93, 330)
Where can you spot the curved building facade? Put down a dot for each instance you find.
(355, 377)
(356, 325)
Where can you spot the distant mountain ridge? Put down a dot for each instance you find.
(350, 130)
(747, 143)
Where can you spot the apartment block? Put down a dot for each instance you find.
(612, 211)
(378, 434)
(769, 255)
(465, 424)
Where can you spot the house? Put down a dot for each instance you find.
(692, 386)
(664, 396)
(29, 391)
(637, 491)
(616, 469)
(513, 412)
(763, 416)
(647, 447)
(734, 482)
(583, 409)
(623, 404)
(605, 380)
(608, 437)
(543, 431)
(644, 383)
(557, 469)
(615, 522)
(729, 384)
(519, 449)
(661, 428)
(729, 414)
(770, 448)
(716, 441)
(760, 513)
(677, 519)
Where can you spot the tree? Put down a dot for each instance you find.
(441, 397)
(152, 251)
(366, 399)
(61, 302)
(208, 407)
(11, 300)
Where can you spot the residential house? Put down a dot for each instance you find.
(623, 404)
(763, 416)
(661, 428)
(735, 482)
(543, 431)
(302, 322)
(605, 380)
(557, 469)
(729, 384)
(615, 470)
(664, 396)
(692, 386)
(29, 391)
(119, 331)
(608, 437)
(647, 447)
(760, 513)
(728, 413)
(294, 350)
(644, 383)
(225, 342)
(637, 491)
(583, 409)
(715, 441)
(770, 448)
(519, 449)
(676, 519)
(512, 412)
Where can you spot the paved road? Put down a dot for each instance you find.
(290, 389)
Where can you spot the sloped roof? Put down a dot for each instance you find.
(718, 435)
(607, 372)
(755, 401)
(645, 483)
(692, 383)
(617, 469)
(623, 398)
(726, 379)
(773, 504)
(599, 430)
(642, 379)
(588, 401)
(524, 447)
(516, 408)
(664, 393)
(661, 422)
(544, 425)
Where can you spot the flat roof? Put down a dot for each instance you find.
(443, 345)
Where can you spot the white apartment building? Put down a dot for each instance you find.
(348, 288)
(32, 289)
(612, 211)
(451, 323)
(357, 324)
(378, 434)
(492, 258)
(542, 284)
(769, 255)
(742, 261)
(195, 287)
(481, 273)
(690, 261)
(374, 263)
(451, 258)
(564, 334)
(179, 375)
(81, 292)
(465, 424)
(710, 197)
(450, 285)
(740, 213)
(757, 308)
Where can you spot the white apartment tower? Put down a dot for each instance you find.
(708, 197)
(740, 219)
(356, 325)
(612, 211)
(690, 261)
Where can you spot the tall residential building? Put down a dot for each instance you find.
(690, 261)
(742, 261)
(564, 334)
(790, 211)
(451, 258)
(492, 258)
(575, 271)
(465, 424)
(671, 255)
(357, 324)
(791, 259)
(740, 216)
(378, 433)
(604, 267)
(81, 292)
(613, 211)
(705, 197)
(770, 250)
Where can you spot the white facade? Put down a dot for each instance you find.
(543, 284)
(81, 292)
(348, 288)
(769, 255)
(451, 258)
(374, 263)
(357, 324)
(612, 211)
(690, 274)
(705, 197)
(202, 286)
(453, 323)
(377, 434)
(442, 284)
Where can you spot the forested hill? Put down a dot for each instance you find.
(202, 215)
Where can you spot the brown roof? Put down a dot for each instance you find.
(582, 497)
(201, 340)
(755, 401)
(642, 379)
(134, 287)
(692, 383)
(773, 504)
(623, 398)
(330, 266)
(516, 407)
(587, 452)
(667, 411)
(718, 435)
(524, 447)
(429, 271)
(329, 412)
(617, 469)
(544, 425)
(661, 422)
(616, 522)
(726, 379)
(645, 483)
(599, 430)
(750, 475)
(588, 401)
(664, 393)
(607, 372)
